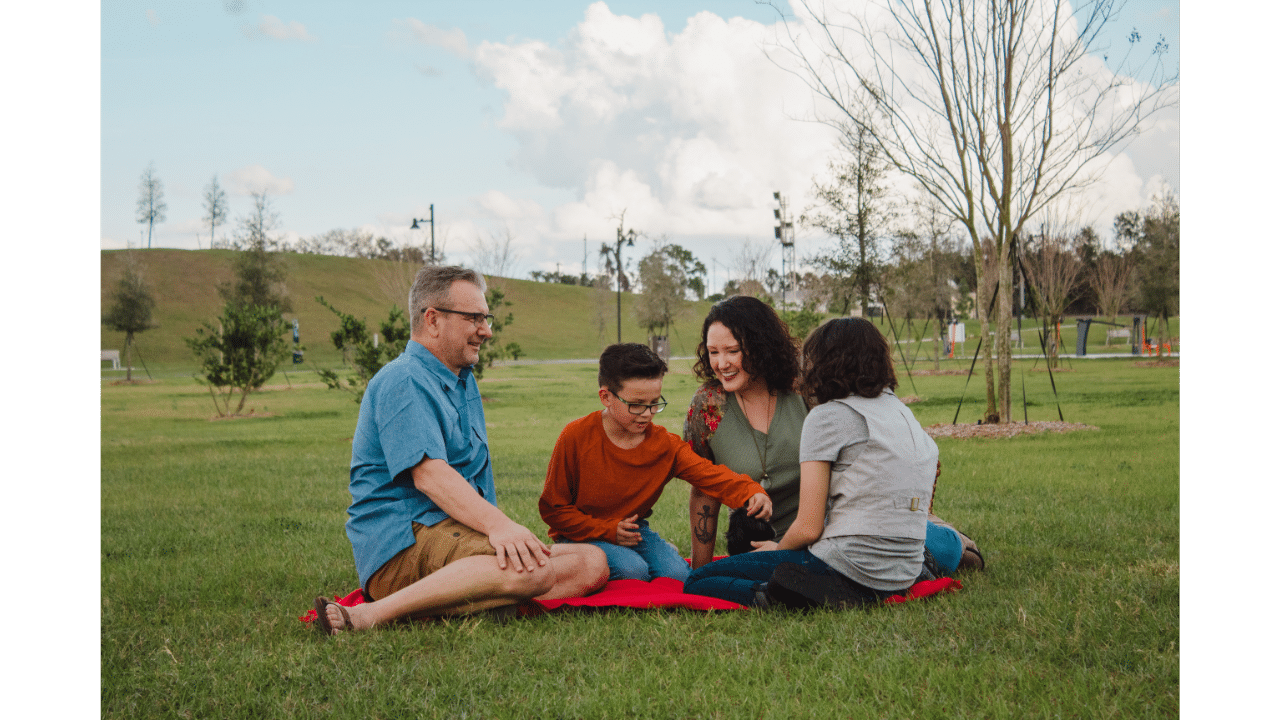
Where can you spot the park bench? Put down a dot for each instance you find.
(1117, 333)
(113, 356)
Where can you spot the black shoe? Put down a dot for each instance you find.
(760, 600)
(794, 587)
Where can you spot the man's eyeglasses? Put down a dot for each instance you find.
(639, 408)
(475, 318)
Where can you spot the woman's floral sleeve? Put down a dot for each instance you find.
(705, 412)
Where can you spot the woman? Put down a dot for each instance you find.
(867, 470)
(746, 416)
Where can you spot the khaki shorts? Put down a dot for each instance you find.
(433, 548)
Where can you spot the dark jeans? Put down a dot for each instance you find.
(734, 578)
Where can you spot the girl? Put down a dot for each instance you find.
(866, 477)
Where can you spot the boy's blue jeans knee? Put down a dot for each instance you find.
(652, 558)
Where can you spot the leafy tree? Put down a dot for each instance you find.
(993, 108)
(1155, 236)
(662, 280)
(856, 210)
(131, 305)
(801, 322)
(215, 207)
(355, 341)
(259, 273)
(240, 353)
(493, 350)
(151, 204)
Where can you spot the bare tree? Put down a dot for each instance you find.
(751, 265)
(255, 228)
(1053, 272)
(933, 225)
(995, 108)
(494, 256)
(855, 209)
(151, 204)
(1109, 279)
(215, 207)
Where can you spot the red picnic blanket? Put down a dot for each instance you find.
(657, 593)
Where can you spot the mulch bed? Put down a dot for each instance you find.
(1162, 362)
(1002, 430)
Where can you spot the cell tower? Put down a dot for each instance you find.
(785, 232)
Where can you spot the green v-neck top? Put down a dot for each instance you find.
(718, 430)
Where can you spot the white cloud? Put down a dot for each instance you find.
(252, 178)
(689, 133)
(275, 28)
(455, 41)
(152, 17)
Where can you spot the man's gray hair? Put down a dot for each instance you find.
(431, 288)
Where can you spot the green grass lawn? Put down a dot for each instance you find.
(216, 535)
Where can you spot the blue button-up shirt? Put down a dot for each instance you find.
(414, 408)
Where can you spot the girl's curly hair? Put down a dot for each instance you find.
(843, 357)
(768, 350)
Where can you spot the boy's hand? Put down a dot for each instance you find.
(760, 506)
(626, 533)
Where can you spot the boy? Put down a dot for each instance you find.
(609, 468)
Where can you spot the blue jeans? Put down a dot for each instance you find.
(734, 578)
(652, 558)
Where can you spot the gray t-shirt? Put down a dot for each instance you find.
(836, 433)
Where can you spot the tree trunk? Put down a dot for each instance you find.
(128, 357)
(1004, 321)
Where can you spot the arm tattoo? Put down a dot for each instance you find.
(703, 531)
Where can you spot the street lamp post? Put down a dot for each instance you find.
(432, 220)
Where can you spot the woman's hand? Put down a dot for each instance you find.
(763, 545)
(760, 506)
(627, 534)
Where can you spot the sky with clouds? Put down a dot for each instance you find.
(548, 119)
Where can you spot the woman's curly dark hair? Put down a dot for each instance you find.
(843, 357)
(768, 350)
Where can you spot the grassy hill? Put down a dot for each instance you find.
(551, 321)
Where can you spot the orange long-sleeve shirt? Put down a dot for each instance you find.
(593, 484)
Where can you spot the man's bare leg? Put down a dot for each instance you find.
(467, 585)
(579, 569)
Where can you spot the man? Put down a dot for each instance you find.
(424, 524)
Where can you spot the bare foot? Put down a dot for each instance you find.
(334, 618)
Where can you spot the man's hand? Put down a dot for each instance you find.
(760, 506)
(515, 542)
(627, 534)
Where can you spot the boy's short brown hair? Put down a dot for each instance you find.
(625, 361)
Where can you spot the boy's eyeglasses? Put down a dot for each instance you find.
(639, 408)
(475, 318)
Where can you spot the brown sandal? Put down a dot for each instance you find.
(322, 617)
